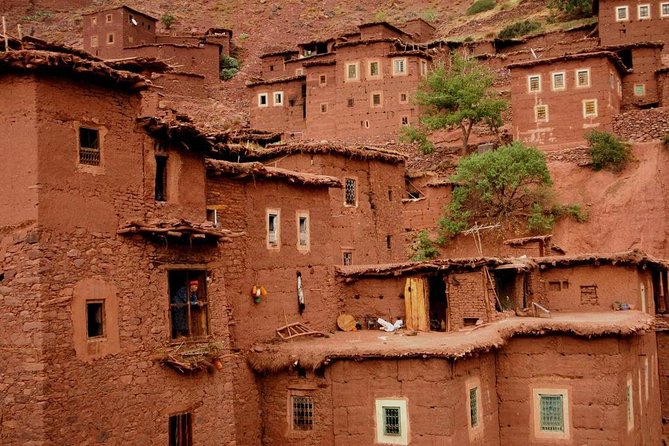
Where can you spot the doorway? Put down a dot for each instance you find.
(438, 303)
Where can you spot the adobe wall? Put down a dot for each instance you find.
(551, 44)
(181, 84)
(663, 87)
(125, 33)
(192, 59)
(288, 117)
(18, 179)
(361, 230)
(566, 121)
(425, 212)
(594, 373)
(378, 31)
(612, 32)
(570, 289)
(273, 67)
(646, 61)
(663, 372)
(320, 122)
(344, 401)
(642, 125)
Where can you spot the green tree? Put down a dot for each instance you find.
(508, 186)
(168, 20)
(580, 8)
(461, 96)
(608, 151)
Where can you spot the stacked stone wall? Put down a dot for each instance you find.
(642, 125)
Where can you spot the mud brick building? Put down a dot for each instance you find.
(124, 32)
(359, 86)
(635, 21)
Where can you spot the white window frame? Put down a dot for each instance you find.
(112, 41)
(307, 246)
(662, 13)
(396, 64)
(348, 78)
(423, 68)
(404, 120)
(536, 113)
(529, 83)
(381, 438)
(276, 243)
(643, 90)
(94, 42)
(564, 81)
(406, 100)
(627, 13)
(379, 75)
(266, 96)
(536, 415)
(299, 71)
(278, 94)
(109, 18)
(322, 79)
(638, 11)
(371, 99)
(590, 115)
(577, 72)
(94, 21)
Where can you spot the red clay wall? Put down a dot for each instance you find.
(181, 84)
(663, 367)
(646, 61)
(287, 117)
(125, 33)
(612, 32)
(566, 121)
(344, 401)
(425, 212)
(191, 59)
(594, 373)
(613, 283)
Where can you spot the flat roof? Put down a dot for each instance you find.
(312, 353)
(133, 10)
(612, 56)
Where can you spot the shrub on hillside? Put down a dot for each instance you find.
(608, 151)
(424, 248)
(519, 29)
(417, 135)
(229, 66)
(665, 140)
(480, 6)
(168, 20)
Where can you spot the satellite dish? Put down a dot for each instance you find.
(134, 22)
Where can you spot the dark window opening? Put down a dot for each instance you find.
(350, 102)
(303, 413)
(161, 178)
(626, 57)
(181, 429)
(554, 285)
(212, 216)
(291, 102)
(438, 301)
(390, 194)
(273, 229)
(389, 242)
(347, 258)
(95, 316)
(271, 68)
(322, 79)
(188, 303)
(304, 101)
(89, 146)
(505, 287)
(470, 321)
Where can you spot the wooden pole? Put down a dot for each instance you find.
(20, 33)
(4, 33)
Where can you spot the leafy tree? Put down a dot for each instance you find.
(461, 96)
(508, 185)
(229, 67)
(608, 151)
(417, 135)
(424, 248)
(168, 20)
(579, 8)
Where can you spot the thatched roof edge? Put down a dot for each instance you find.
(259, 170)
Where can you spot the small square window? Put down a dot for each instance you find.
(664, 9)
(263, 100)
(404, 98)
(303, 413)
(399, 67)
(351, 193)
(534, 83)
(278, 98)
(108, 18)
(212, 216)
(349, 102)
(582, 78)
(558, 81)
(323, 79)
(590, 108)
(639, 90)
(299, 71)
(273, 233)
(352, 71)
(181, 430)
(474, 406)
(110, 39)
(644, 12)
(347, 258)
(95, 318)
(324, 107)
(374, 69)
(551, 413)
(392, 422)
(630, 405)
(405, 120)
(622, 13)
(89, 146)
(541, 113)
(376, 100)
(94, 41)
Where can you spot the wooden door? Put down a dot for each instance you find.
(416, 304)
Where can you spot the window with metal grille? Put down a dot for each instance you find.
(89, 146)
(541, 113)
(582, 78)
(590, 108)
(558, 81)
(551, 413)
(181, 429)
(95, 318)
(644, 12)
(622, 13)
(391, 421)
(473, 407)
(347, 258)
(188, 303)
(350, 192)
(351, 71)
(405, 120)
(534, 83)
(303, 413)
(639, 90)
